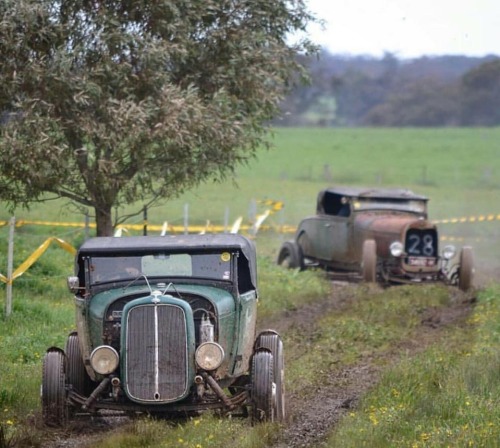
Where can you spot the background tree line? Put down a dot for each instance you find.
(428, 91)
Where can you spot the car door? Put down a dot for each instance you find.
(333, 235)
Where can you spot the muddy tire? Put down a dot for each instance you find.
(76, 375)
(290, 256)
(263, 390)
(54, 403)
(466, 269)
(369, 261)
(274, 344)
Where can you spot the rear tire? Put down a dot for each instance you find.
(290, 256)
(369, 261)
(466, 269)
(263, 396)
(274, 344)
(54, 403)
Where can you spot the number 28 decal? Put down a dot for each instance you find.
(423, 244)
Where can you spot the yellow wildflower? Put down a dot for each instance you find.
(424, 436)
(373, 419)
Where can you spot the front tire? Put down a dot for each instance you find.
(54, 403)
(290, 256)
(466, 269)
(274, 344)
(77, 375)
(263, 391)
(369, 261)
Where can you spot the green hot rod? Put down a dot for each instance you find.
(165, 325)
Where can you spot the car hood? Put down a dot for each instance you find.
(386, 228)
(221, 299)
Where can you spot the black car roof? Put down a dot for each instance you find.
(379, 193)
(102, 245)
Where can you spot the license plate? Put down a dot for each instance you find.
(421, 261)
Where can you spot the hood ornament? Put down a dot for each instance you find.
(156, 296)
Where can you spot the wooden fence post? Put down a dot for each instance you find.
(226, 219)
(10, 264)
(145, 221)
(186, 219)
(87, 225)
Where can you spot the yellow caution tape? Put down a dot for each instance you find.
(464, 219)
(276, 206)
(36, 255)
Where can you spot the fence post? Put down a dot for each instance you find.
(226, 219)
(186, 219)
(10, 264)
(87, 225)
(145, 227)
(252, 211)
(281, 221)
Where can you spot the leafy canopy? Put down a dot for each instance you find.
(112, 102)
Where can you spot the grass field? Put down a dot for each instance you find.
(458, 169)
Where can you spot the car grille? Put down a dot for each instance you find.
(421, 243)
(156, 353)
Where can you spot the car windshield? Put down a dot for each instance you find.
(216, 266)
(413, 206)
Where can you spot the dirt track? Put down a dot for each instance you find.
(311, 418)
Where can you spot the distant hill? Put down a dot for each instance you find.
(350, 90)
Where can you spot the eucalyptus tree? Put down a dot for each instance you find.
(108, 102)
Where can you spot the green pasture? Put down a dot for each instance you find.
(459, 169)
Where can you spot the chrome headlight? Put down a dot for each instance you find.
(104, 359)
(209, 355)
(396, 249)
(449, 252)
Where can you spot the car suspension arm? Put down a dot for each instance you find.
(217, 389)
(97, 391)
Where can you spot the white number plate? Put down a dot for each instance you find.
(421, 261)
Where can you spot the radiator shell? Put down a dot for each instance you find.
(157, 350)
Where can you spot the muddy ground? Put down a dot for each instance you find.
(310, 418)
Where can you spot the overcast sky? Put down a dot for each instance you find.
(408, 28)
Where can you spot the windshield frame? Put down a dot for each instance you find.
(415, 206)
(208, 266)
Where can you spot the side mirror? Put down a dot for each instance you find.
(73, 284)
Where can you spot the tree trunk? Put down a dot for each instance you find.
(103, 221)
